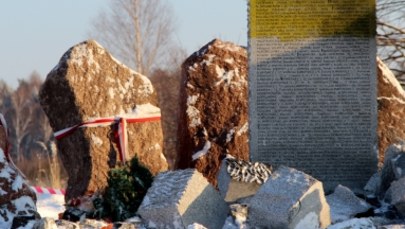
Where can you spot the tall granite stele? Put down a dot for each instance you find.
(312, 82)
(89, 83)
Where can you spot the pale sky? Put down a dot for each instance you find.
(35, 34)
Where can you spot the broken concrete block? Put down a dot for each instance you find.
(290, 199)
(239, 179)
(344, 204)
(180, 198)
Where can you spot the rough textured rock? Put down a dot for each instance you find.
(388, 173)
(391, 109)
(89, 83)
(180, 198)
(344, 204)
(17, 200)
(213, 108)
(290, 199)
(397, 195)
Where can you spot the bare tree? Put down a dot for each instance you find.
(139, 32)
(391, 35)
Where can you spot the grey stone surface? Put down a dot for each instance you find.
(313, 98)
(373, 184)
(388, 173)
(344, 204)
(290, 199)
(397, 195)
(363, 223)
(180, 198)
(232, 190)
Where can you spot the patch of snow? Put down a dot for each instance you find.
(130, 83)
(111, 93)
(6, 220)
(230, 47)
(17, 184)
(146, 88)
(49, 205)
(189, 85)
(145, 110)
(229, 60)
(194, 116)
(191, 100)
(309, 221)
(230, 77)
(243, 129)
(230, 135)
(2, 192)
(195, 226)
(6, 172)
(192, 112)
(96, 140)
(155, 147)
(209, 61)
(2, 155)
(203, 151)
(81, 54)
(24, 202)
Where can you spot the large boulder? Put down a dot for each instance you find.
(213, 108)
(17, 200)
(180, 198)
(290, 199)
(87, 84)
(391, 109)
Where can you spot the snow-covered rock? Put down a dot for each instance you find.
(89, 84)
(17, 200)
(213, 108)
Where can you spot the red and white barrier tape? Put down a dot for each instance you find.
(122, 127)
(52, 191)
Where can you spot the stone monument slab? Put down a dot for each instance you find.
(312, 82)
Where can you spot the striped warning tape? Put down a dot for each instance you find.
(52, 191)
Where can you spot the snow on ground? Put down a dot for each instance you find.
(50, 205)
